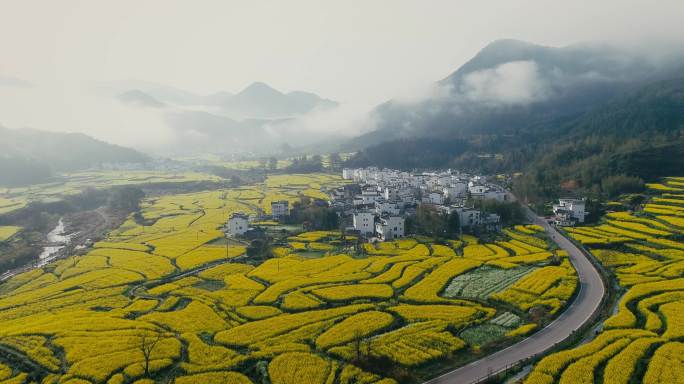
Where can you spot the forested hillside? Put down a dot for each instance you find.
(577, 133)
(30, 156)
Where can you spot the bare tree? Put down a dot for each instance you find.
(147, 345)
(358, 339)
(368, 344)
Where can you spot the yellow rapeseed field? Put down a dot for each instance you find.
(217, 316)
(642, 341)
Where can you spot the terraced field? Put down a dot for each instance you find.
(643, 341)
(206, 313)
(15, 198)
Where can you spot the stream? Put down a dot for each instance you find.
(57, 239)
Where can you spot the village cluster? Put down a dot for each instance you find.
(378, 200)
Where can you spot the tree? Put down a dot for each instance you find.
(619, 184)
(272, 163)
(357, 344)
(316, 213)
(510, 212)
(147, 345)
(125, 199)
(453, 224)
(428, 221)
(335, 161)
(259, 249)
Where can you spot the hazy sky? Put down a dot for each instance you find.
(360, 52)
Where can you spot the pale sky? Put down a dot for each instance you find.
(361, 52)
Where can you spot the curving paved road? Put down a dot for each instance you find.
(580, 310)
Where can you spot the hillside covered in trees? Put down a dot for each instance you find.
(629, 126)
(29, 156)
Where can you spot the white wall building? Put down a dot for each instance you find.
(364, 222)
(568, 210)
(280, 209)
(477, 189)
(390, 227)
(238, 224)
(434, 197)
(370, 196)
(390, 193)
(388, 207)
(455, 190)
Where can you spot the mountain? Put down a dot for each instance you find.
(580, 113)
(512, 85)
(210, 132)
(256, 101)
(161, 93)
(259, 100)
(218, 98)
(141, 99)
(258, 118)
(30, 156)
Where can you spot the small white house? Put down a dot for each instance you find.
(568, 211)
(364, 222)
(238, 224)
(390, 193)
(455, 190)
(477, 189)
(434, 197)
(370, 196)
(390, 227)
(280, 209)
(388, 207)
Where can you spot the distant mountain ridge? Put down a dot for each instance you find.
(257, 101)
(260, 100)
(29, 156)
(258, 118)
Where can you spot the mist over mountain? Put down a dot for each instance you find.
(13, 82)
(512, 85)
(258, 118)
(139, 98)
(257, 101)
(30, 156)
(581, 113)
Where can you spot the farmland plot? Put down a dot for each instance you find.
(642, 341)
(215, 318)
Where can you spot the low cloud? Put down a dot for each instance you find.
(13, 82)
(59, 108)
(514, 82)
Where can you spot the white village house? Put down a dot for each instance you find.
(569, 211)
(238, 224)
(389, 227)
(364, 222)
